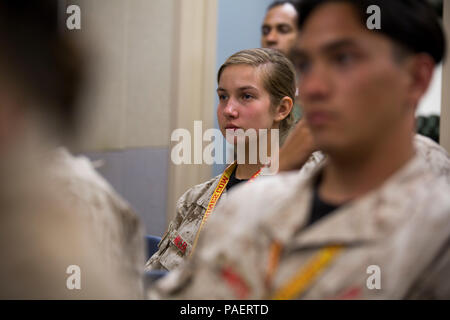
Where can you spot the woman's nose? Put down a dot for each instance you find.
(230, 109)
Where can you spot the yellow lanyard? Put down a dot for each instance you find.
(224, 179)
(298, 284)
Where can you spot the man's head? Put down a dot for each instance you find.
(40, 71)
(359, 87)
(279, 30)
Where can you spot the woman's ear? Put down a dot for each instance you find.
(283, 109)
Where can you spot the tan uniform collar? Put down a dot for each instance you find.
(363, 220)
(203, 200)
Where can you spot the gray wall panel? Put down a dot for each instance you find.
(140, 176)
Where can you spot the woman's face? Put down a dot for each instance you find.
(243, 101)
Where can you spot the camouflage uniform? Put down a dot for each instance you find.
(176, 243)
(437, 158)
(59, 212)
(402, 227)
(116, 227)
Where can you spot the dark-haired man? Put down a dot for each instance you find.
(372, 222)
(64, 232)
(279, 29)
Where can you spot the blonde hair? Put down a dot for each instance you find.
(278, 77)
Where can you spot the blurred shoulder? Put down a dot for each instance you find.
(75, 178)
(436, 157)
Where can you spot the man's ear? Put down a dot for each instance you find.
(420, 68)
(283, 109)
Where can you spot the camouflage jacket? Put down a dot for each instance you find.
(176, 244)
(60, 213)
(115, 227)
(401, 230)
(437, 158)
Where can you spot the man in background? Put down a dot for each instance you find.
(279, 29)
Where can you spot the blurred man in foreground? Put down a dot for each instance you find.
(64, 233)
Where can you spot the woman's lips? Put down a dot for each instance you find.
(231, 128)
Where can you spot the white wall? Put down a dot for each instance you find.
(130, 45)
(431, 102)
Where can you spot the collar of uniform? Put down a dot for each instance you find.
(289, 210)
(203, 200)
(366, 219)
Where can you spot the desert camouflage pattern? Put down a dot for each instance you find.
(401, 229)
(67, 214)
(437, 158)
(115, 227)
(176, 243)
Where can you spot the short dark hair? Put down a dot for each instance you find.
(277, 3)
(40, 60)
(413, 24)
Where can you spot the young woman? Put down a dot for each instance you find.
(256, 90)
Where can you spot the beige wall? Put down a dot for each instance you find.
(131, 48)
(194, 85)
(152, 70)
(445, 106)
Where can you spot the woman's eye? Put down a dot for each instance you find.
(247, 96)
(222, 97)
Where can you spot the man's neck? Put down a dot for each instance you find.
(348, 177)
